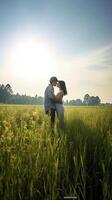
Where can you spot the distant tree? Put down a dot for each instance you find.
(40, 100)
(2, 93)
(24, 99)
(9, 88)
(98, 100)
(36, 96)
(91, 100)
(94, 100)
(86, 99)
(9, 92)
(5, 93)
(66, 102)
(72, 102)
(107, 104)
(78, 102)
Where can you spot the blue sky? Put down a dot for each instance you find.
(79, 32)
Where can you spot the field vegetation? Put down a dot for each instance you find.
(76, 161)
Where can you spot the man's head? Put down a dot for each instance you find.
(53, 81)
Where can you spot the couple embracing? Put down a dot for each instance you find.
(54, 103)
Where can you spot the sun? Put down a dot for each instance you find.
(30, 59)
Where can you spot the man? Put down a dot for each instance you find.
(49, 100)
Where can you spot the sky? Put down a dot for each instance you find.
(70, 39)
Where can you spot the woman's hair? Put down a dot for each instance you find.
(63, 87)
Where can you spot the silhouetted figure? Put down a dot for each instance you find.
(49, 101)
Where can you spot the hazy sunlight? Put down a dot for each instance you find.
(29, 59)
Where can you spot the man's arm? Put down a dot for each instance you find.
(50, 93)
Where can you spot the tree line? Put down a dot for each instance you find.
(88, 100)
(7, 96)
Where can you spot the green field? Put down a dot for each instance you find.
(77, 161)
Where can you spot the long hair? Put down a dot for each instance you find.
(63, 87)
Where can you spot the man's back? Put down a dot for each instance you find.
(49, 97)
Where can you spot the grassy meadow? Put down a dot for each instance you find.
(34, 165)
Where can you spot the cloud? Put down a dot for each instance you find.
(97, 62)
(100, 58)
(90, 72)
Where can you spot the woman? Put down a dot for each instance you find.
(59, 98)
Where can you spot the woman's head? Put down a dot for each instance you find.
(62, 86)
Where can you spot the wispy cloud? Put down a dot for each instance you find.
(90, 72)
(100, 58)
(96, 62)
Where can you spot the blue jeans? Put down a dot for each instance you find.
(60, 113)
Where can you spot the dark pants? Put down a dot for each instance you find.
(51, 112)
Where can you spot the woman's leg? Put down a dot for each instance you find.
(60, 113)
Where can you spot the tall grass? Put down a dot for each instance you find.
(74, 162)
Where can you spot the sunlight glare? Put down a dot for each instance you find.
(30, 60)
